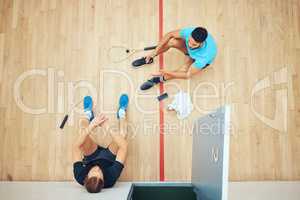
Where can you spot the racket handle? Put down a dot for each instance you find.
(149, 48)
(64, 122)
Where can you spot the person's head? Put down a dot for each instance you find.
(198, 36)
(94, 181)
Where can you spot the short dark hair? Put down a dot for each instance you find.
(199, 34)
(93, 184)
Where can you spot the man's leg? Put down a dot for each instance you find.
(121, 136)
(119, 144)
(185, 68)
(174, 43)
(89, 146)
(113, 147)
(188, 61)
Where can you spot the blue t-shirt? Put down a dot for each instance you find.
(204, 55)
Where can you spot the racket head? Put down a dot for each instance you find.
(118, 54)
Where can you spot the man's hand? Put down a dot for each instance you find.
(99, 120)
(149, 56)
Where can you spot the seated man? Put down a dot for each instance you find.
(195, 43)
(96, 167)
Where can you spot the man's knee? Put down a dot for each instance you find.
(177, 44)
(173, 42)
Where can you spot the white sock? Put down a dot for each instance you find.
(89, 114)
(122, 113)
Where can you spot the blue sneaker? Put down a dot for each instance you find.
(88, 107)
(123, 104)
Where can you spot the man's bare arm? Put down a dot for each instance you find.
(122, 147)
(85, 132)
(77, 155)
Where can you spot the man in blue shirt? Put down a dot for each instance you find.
(196, 43)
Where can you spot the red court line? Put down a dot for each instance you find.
(161, 104)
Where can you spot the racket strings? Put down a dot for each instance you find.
(117, 54)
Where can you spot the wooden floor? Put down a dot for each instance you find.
(68, 40)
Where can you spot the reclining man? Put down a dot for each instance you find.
(198, 46)
(96, 167)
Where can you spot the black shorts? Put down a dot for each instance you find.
(100, 153)
(103, 158)
(187, 54)
(205, 66)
